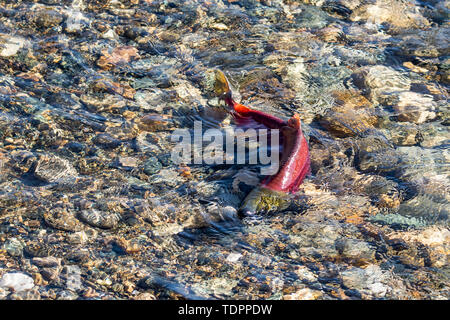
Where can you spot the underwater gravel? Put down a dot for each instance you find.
(92, 207)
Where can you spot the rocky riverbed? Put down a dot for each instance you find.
(93, 207)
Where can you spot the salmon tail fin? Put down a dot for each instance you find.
(222, 86)
(223, 91)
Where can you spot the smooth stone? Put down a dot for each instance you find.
(71, 277)
(99, 219)
(14, 247)
(415, 107)
(152, 166)
(12, 46)
(17, 281)
(396, 14)
(383, 84)
(46, 261)
(62, 219)
(128, 162)
(370, 280)
(106, 141)
(50, 168)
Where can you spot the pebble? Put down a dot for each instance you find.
(14, 247)
(395, 14)
(375, 154)
(382, 83)
(118, 56)
(128, 162)
(106, 141)
(358, 251)
(50, 168)
(50, 274)
(370, 280)
(155, 122)
(111, 35)
(11, 46)
(415, 107)
(62, 219)
(234, 257)
(48, 18)
(347, 122)
(71, 277)
(152, 166)
(90, 200)
(46, 261)
(16, 281)
(99, 219)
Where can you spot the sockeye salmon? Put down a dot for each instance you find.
(274, 191)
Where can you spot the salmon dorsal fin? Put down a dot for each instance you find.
(295, 122)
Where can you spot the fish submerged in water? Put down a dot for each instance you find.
(275, 192)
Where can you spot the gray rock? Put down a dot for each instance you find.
(50, 168)
(376, 154)
(14, 247)
(370, 281)
(383, 84)
(71, 277)
(152, 166)
(356, 250)
(99, 219)
(46, 261)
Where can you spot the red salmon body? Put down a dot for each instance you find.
(295, 161)
(273, 194)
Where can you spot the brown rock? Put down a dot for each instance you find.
(113, 87)
(155, 122)
(350, 116)
(119, 55)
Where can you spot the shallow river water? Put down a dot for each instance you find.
(93, 207)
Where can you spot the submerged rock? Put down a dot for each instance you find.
(99, 219)
(17, 281)
(402, 134)
(62, 219)
(14, 247)
(435, 239)
(371, 281)
(415, 107)
(155, 122)
(91, 202)
(106, 141)
(118, 56)
(46, 18)
(376, 154)
(397, 14)
(11, 45)
(350, 117)
(382, 84)
(50, 168)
